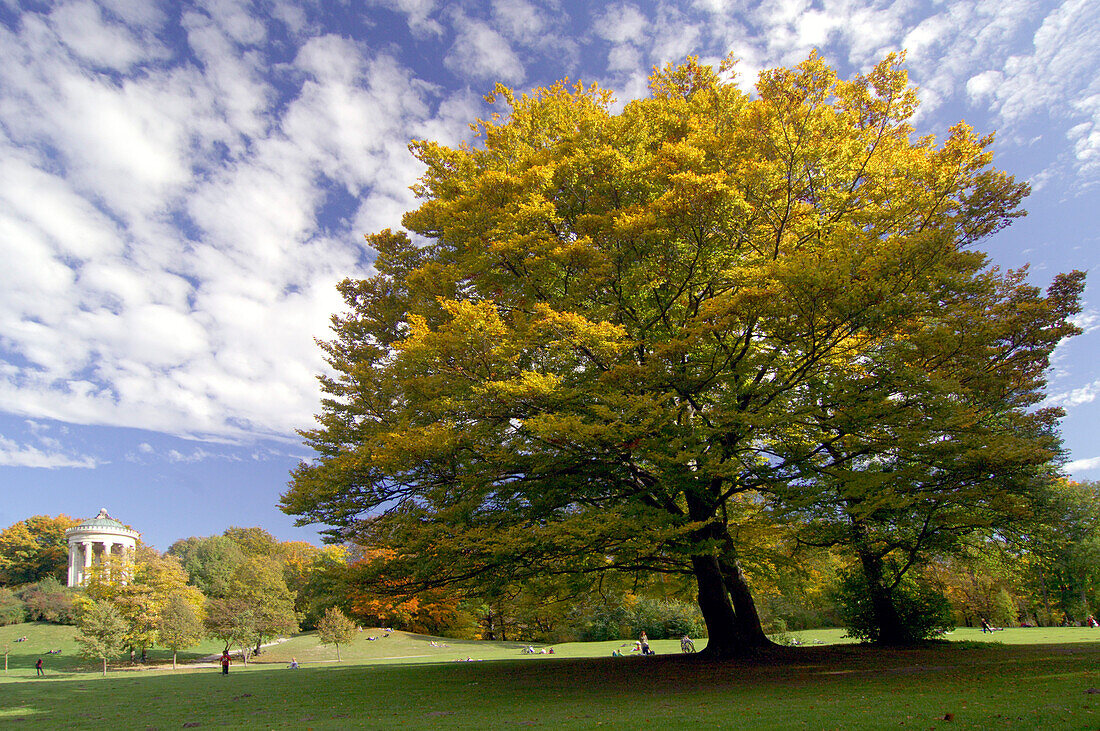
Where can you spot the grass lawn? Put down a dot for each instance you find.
(1021, 678)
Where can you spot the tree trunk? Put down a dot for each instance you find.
(890, 629)
(105, 667)
(723, 640)
(744, 606)
(725, 599)
(173, 659)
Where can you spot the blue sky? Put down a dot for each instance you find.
(182, 184)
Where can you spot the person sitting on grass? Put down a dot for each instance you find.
(293, 663)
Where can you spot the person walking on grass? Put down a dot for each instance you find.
(225, 662)
(38, 668)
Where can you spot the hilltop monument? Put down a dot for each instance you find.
(91, 542)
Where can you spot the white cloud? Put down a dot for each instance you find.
(417, 13)
(169, 269)
(237, 24)
(482, 54)
(520, 20)
(82, 27)
(13, 454)
(1088, 320)
(622, 23)
(1075, 397)
(1082, 465)
(198, 454)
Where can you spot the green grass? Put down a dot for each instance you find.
(43, 637)
(1024, 678)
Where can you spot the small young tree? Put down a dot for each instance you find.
(7, 651)
(335, 629)
(102, 631)
(232, 622)
(180, 626)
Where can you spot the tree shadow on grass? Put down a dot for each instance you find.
(668, 689)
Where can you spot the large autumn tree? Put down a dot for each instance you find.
(34, 549)
(608, 320)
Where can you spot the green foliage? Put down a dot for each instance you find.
(798, 611)
(232, 622)
(179, 626)
(318, 578)
(49, 601)
(254, 541)
(335, 629)
(923, 611)
(102, 631)
(1061, 552)
(1006, 612)
(11, 608)
(258, 586)
(34, 549)
(209, 562)
(658, 618)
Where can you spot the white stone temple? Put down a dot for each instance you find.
(91, 542)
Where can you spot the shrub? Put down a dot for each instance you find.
(11, 608)
(923, 611)
(49, 601)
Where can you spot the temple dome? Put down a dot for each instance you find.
(102, 523)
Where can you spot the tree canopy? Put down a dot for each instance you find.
(102, 631)
(34, 549)
(335, 629)
(632, 340)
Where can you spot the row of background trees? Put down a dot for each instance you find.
(245, 587)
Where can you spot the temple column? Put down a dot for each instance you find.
(116, 566)
(72, 564)
(87, 548)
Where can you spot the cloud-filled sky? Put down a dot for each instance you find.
(183, 183)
